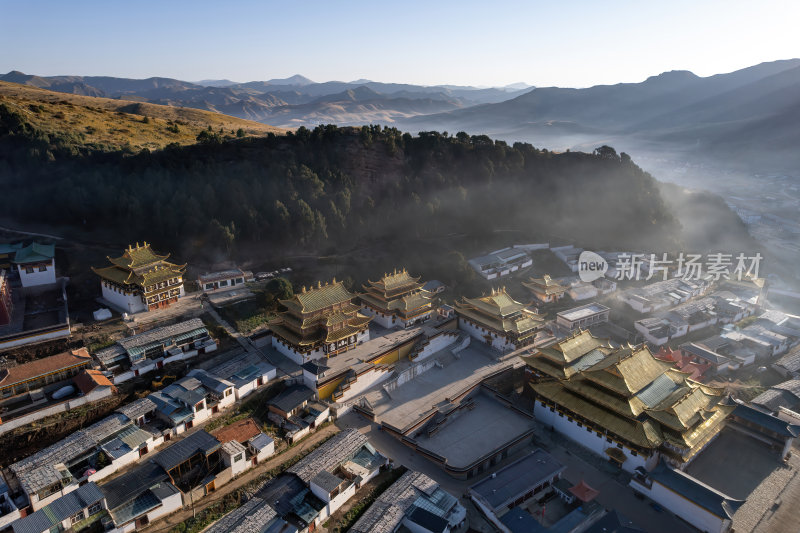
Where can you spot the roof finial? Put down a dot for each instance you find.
(334, 280)
(319, 284)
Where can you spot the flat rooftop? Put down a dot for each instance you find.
(405, 405)
(583, 311)
(754, 462)
(474, 433)
(369, 350)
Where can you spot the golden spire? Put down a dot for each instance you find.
(319, 284)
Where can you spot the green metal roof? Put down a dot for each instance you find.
(34, 253)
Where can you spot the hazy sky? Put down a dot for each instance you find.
(573, 43)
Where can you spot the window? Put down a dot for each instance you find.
(228, 392)
(608, 439)
(588, 429)
(634, 453)
(599, 434)
(619, 445)
(561, 414)
(77, 517)
(543, 404)
(238, 458)
(29, 270)
(552, 409)
(579, 424)
(42, 268)
(95, 508)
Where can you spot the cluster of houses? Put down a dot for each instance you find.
(39, 487)
(643, 407)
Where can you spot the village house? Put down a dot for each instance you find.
(416, 503)
(662, 294)
(223, 280)
(36, 265)
(254, 516)
(151, 350)
(501, 262)
(179, 475)
(528, 477)
(89, 454)
(258, 446)
(246, 371)
(337, 469)
(67, 513)
(40, 373)
(582, 317)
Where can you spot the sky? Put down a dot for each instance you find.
(489, 43)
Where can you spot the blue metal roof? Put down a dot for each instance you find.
(696, 491)
(769, 422)
(58, 510)
(518, 520)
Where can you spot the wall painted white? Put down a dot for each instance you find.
(130, 303)
(685, 509)
(589, 439)
(36, 278)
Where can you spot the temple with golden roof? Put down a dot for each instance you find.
(623, 403)
(396, 299)
(319, 322)
(141, 280)
(498, 320)
(546, 289)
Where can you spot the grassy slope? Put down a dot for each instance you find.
(117, 123)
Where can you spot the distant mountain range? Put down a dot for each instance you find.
(292, 101)
(749, 118)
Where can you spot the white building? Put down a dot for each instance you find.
(413, 503)
(223, 280)
(36, 265)
(501, 262)
(64, 513)
(700, 505)
(583, 317)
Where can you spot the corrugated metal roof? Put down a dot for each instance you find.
(514, 480)
(200, 442)
(58, 510)
(697, 492)
(340, 448)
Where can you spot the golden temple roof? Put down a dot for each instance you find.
(576, 346)
(499, 303)
(399, 279)
(545, 284)
(320, 297)
(628, 387)
(524, 324)
(135, 257)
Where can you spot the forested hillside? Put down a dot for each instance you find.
(335, 189)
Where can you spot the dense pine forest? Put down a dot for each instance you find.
(328, 189)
